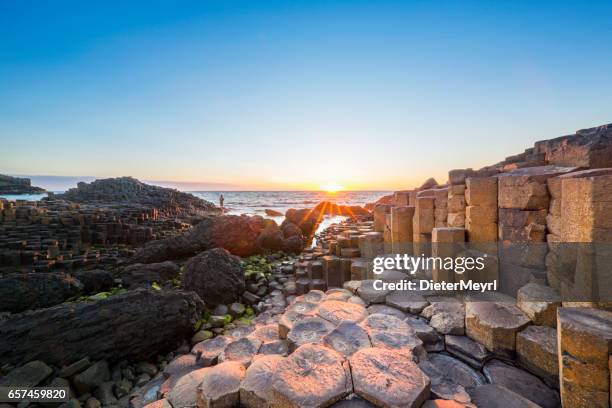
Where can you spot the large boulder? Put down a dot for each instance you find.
(145, 274)
(215, 275)
(271, 237)
(23, 291)
(133, 325)
(306, 219)
(237, 234)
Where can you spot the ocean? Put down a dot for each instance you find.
(256, 202)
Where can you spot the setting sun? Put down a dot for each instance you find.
(331, 188)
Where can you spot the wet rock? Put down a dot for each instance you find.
(467, 350)
(236, 309)
(536, 350)
(347, 338)
(95, 281)
(313, 376)
(102, 329)
(443, 386)
(215, 275)
(388, 378)
(242, 351)
(495, 324)
(336, 311)
(406, 301)
(308, 330)
(521, 382)
(145, 274)
(91, 378)
(256, 388)
(384, 309)
(210, 350)
(220, 385)
(28, 375)
(496, 396)
(457, 371)
(23, 291)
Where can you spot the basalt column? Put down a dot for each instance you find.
(401, 229)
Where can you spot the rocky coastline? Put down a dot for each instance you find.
(134, 295)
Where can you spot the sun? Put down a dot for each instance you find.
(331, 188)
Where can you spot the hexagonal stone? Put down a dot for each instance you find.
(388, 331)
(210, 350)
(239, 332)
(305, 308)
(280, 347)
(384, 309)
(347, 338)
(185, 391)
(496, 396)
(371, 295)
(183, 364)
(388, 378)
(256, 388)
(536, 350)
(467, 350)
(220, 385)
(521, 382)
(352, 285)
(443, 403)
(308, 330)
(539, 303)
(242, 350)
(356, 300)
(446, 317)
(339, 296)
(353, 401)
(288, 319)
(313, 376)
(406, 301)
(335, 312)
(335, 291)
(266, 333)
(313, 296)
(424, 331)
(456, 371)
(494, 325)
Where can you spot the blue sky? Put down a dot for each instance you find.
(294, 94)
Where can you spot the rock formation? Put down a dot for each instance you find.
(17, 185)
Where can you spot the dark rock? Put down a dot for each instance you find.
(133, 325)
(293, 244)
(23, 291)
(521, 382)
(270, 238)
(237, 234)
(290, 230)
(496, 396)
(96, 280)
(273, 213)
(145, 274)
(75, 368)
(466, 349)
(91, 378)
(306, 219)
(104, 393)
(28, 375)
(18, 185)
(215, 275)
(347, 338)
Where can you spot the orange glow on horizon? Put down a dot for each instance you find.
(332, 188)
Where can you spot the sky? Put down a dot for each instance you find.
(368, 95)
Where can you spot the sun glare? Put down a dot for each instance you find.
(331, 188)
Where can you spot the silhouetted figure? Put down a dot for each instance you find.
(221, 200)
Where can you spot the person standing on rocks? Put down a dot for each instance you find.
(221, 200)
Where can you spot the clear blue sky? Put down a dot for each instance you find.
(292, 94)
